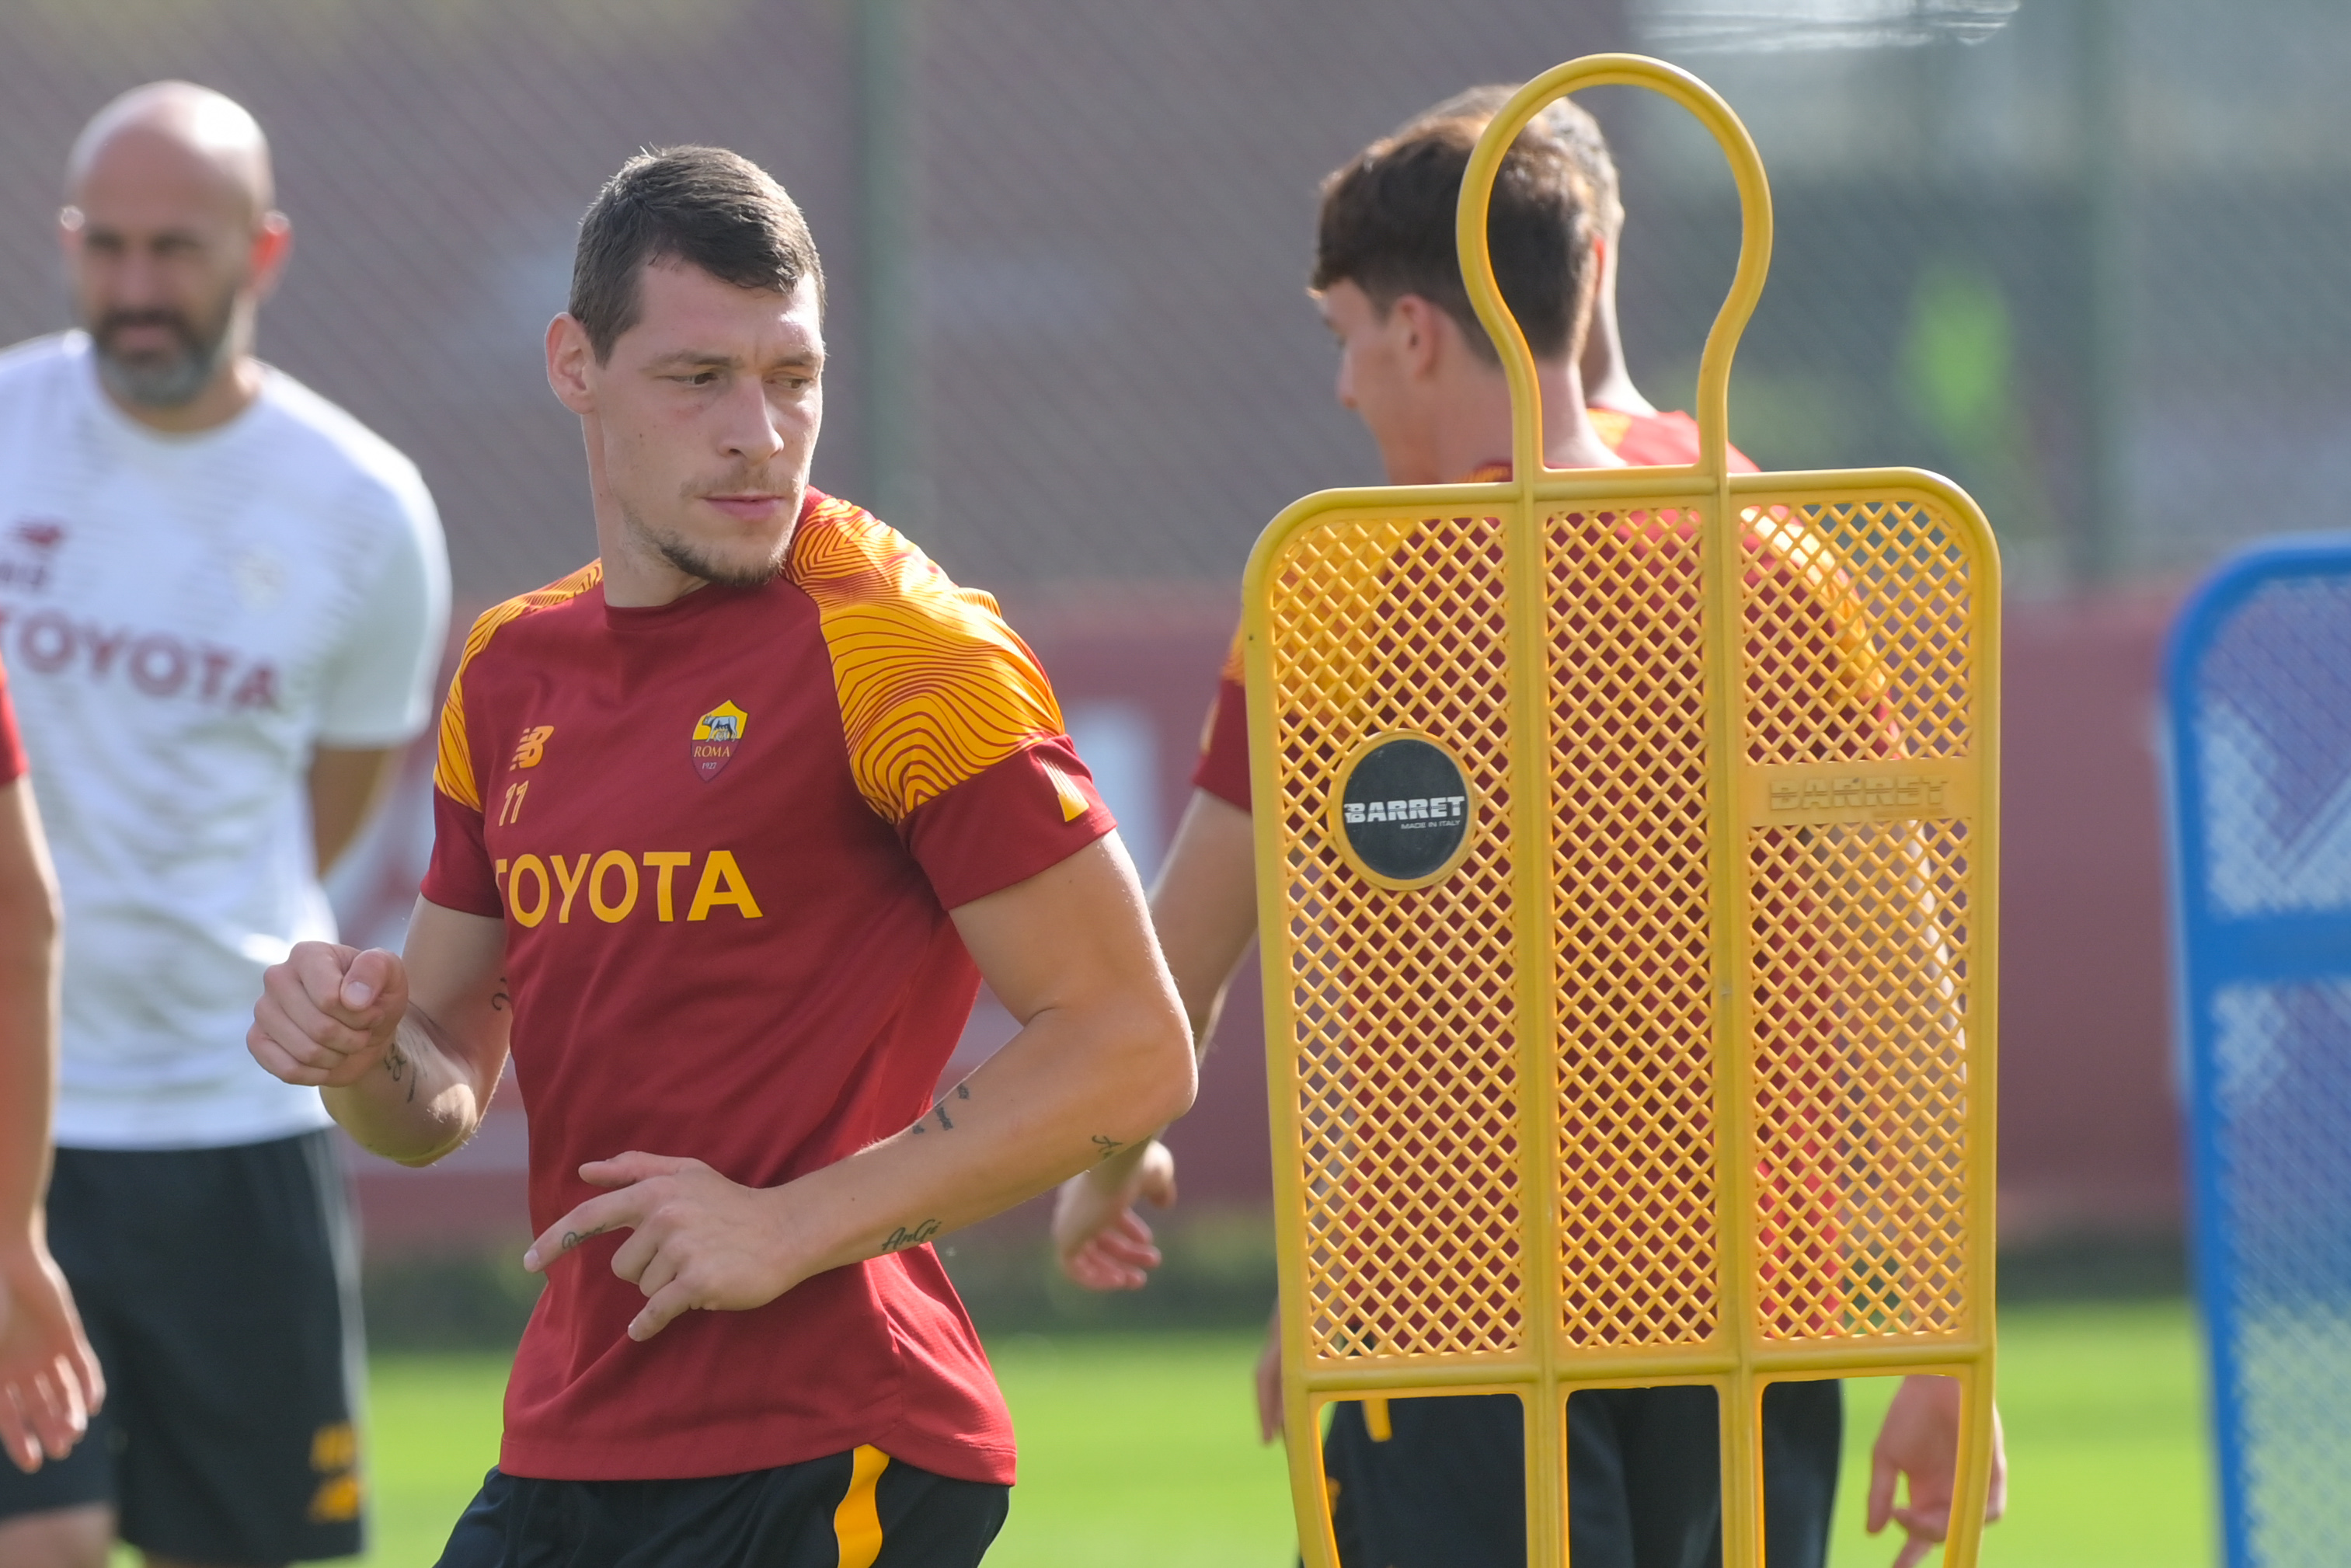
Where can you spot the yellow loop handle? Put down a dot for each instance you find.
(1746, 284)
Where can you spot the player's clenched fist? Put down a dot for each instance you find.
(328, 1014)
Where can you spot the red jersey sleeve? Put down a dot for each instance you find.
(1223, 769)
(1033, 810)
(953, 731)
(459, 875)
(12, 745)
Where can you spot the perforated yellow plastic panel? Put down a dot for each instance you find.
(1627, 871)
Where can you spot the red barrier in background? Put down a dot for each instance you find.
(2089, 1129)
(2089, 1116)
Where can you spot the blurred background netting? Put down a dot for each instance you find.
(2087, 264)
(436, 156)
(2081, 266)
(2084, 255)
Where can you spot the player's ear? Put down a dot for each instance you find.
(272, 243)
(570, 360)
(1418, 325)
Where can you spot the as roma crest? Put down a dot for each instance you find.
(715, 734)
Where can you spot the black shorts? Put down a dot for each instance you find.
(858, 1509)
(1446, 1488)
(220, 1288)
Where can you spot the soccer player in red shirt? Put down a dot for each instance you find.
(1443, 1487)
(49, 1377)
(730, 824)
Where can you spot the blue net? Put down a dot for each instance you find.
(2259, 691)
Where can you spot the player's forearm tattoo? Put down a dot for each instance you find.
(901, 1239)
(397, 1066)
(946, 1123)
(1105, 1147)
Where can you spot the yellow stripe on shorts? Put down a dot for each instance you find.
(857, 1522)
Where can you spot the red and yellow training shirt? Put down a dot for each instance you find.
(723, 834)
(1816, 654)
(1642, 440)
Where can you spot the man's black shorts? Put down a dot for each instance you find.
(1447, 1488)
(220, 1288)
(858, 1509)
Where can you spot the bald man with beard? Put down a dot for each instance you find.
(222, 603)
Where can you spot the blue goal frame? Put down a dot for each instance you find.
(2257, 775)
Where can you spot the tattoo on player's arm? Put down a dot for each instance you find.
(901, 1239)
(501, 998)
(1105, 1147)
(397, 1066)
(946, 1123)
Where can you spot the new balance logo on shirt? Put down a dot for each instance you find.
(28, 551)
(533, 745)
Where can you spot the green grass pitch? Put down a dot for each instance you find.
(1141, 1450)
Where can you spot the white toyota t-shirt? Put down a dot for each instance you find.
(184, 618)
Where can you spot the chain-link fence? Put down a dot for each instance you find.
(1101, 213)
(2084, 265)
(436, 156)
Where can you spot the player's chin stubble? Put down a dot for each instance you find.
(696, 562)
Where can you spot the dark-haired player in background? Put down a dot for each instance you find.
(1628, 421)
(1442, 1489)
(730, 824)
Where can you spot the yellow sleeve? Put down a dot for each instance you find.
(453, 768)
(935, 688)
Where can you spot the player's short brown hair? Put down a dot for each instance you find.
(1386, 226)
(1567, 122)
(706, 206)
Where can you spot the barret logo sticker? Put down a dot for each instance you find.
(1401, 810)
(715, 735)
